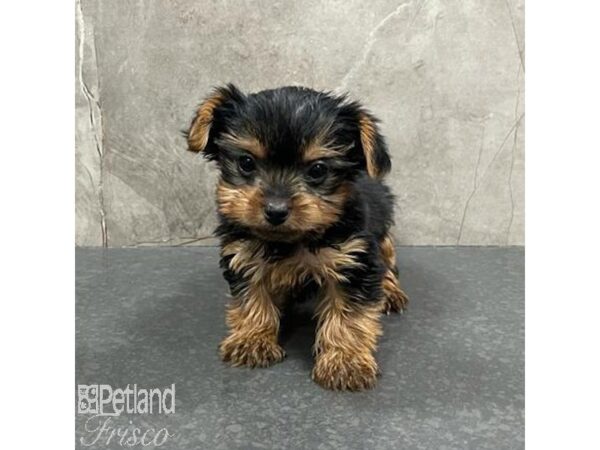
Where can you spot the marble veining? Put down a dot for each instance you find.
(445, 77)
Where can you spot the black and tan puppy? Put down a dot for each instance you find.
(301, 201)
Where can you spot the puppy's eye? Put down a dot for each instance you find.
(317, 172)
(246, 164)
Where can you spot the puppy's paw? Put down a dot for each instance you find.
(338, 371)
(250, 352)
(394, 298)
(395, 301)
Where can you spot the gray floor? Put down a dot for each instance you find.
(452, 365)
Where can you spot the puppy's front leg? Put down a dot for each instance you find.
(253, 320)
(346, 340)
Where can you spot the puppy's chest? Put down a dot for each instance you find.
(282, 266)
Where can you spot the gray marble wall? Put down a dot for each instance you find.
(445, 77)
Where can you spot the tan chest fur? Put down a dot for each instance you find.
(323, 265)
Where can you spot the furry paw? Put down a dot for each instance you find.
(342, 372)
(250, 352)
(394, 298)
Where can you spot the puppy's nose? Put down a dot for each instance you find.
(276, 211)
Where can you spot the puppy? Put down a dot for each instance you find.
(301, 201)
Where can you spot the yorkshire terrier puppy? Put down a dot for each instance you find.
(301, 202)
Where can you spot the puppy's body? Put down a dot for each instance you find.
(301, 202)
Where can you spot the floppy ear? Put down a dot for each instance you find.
(199, 136)
(373, 144)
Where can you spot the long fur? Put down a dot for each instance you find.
(323, 157)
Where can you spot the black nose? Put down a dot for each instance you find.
(276, 211)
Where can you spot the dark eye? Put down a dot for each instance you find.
(246, 164)
(317, 172)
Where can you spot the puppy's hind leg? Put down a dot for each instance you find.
(394, 298)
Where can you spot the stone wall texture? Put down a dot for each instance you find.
(445, 77)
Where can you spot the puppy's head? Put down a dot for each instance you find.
(287, 156)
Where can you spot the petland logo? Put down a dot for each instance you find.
(104, 403)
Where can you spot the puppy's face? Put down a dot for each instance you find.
(287, 157)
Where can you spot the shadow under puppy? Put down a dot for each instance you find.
(301, 201)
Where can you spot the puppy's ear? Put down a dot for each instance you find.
(201, 133)
(374, 148)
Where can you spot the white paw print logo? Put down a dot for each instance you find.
(88, 399)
